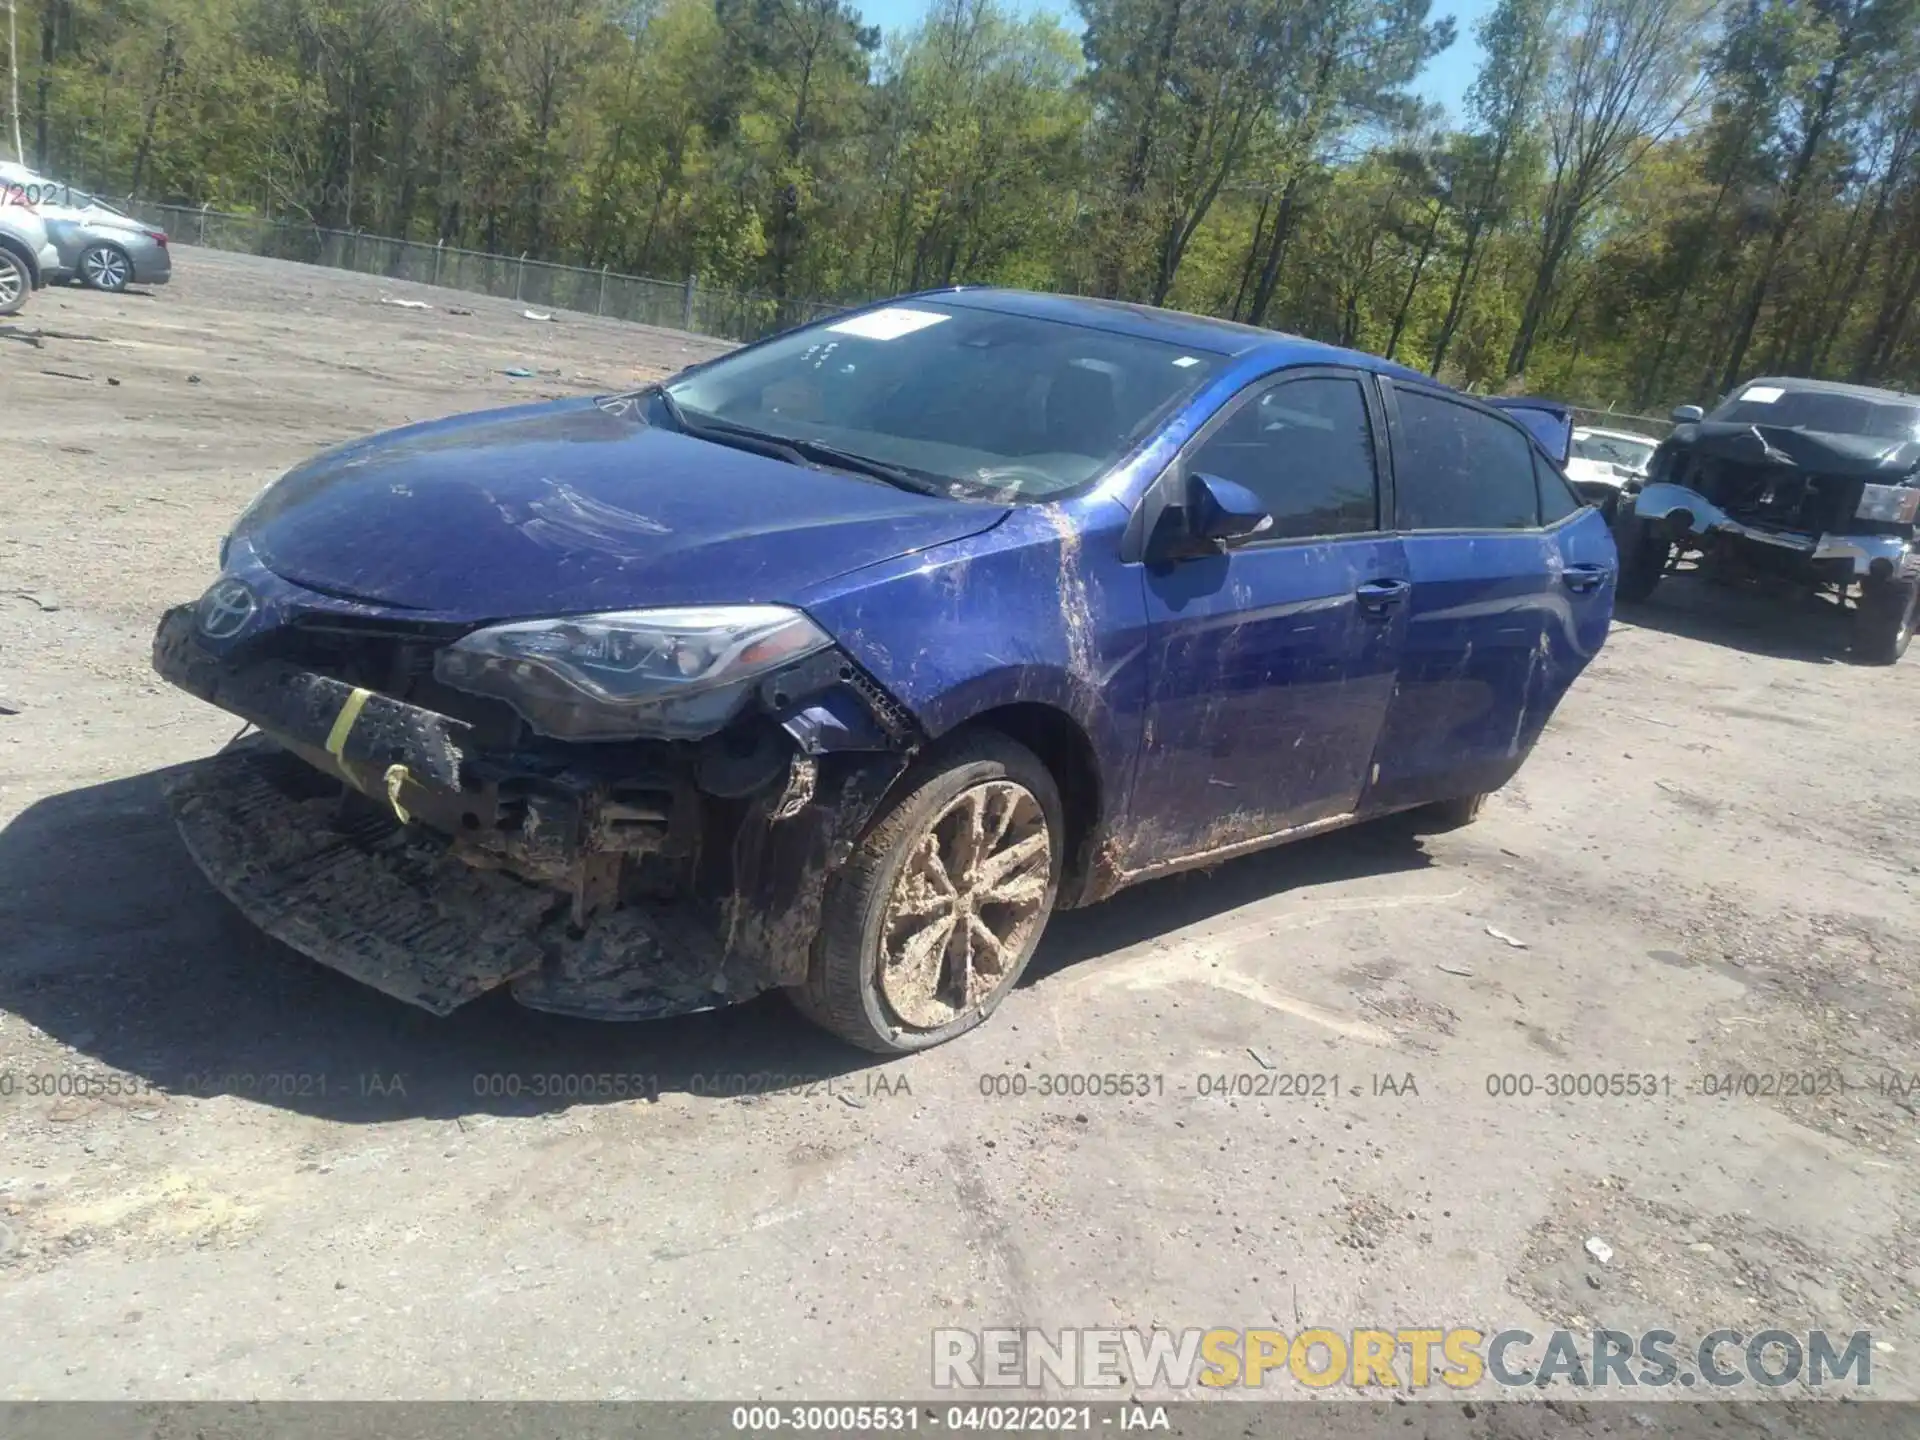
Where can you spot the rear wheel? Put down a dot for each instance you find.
(1643, 557)
(1444, 815)
(927, 928)
(15, 282)
(1884, 622)
(105, 267)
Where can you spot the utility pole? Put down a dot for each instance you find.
(13, 84)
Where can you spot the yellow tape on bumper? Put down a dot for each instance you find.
(344, 722)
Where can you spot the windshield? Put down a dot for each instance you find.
(1612, 449)
(990, 402)
(1823, 410)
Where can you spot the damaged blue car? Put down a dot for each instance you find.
(835, 665)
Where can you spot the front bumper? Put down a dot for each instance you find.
(478, 897)
(1687, 515)
(393, 908)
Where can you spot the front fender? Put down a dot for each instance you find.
(1040, 610)
(1662, 501)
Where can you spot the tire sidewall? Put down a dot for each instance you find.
(25, 277)
(935, 789)
(1889, 612)
(1643, 558)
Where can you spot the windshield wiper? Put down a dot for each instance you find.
(812, 453)
(864, 465)
(721, 433)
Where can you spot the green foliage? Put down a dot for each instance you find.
(1643, 200)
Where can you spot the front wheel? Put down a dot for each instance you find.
(1884, 621)
(15, 282)
(105, 267)
(1643, 557)
(927, 928)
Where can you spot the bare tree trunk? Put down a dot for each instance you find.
(1413, 281)
(1113, 270)
(43, 87)
(13, 84)
(1556, 239)
(1789, 215)
(1276, 252)
(153, 114)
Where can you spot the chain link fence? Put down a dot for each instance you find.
(677, 304)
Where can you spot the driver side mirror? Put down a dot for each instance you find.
(1220, 510)
(1687, 415)
(1202, 518)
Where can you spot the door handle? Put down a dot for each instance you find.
(1582, 578)
(1377, 597)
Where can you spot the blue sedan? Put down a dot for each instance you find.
(837, 664)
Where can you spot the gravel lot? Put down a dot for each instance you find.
(312, 1191)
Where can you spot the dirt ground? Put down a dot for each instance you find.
(306, 1190)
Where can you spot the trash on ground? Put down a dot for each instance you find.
(1599, 1250)
(405, 304)
(536, 314)
(1497, 933)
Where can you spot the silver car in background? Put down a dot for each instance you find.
(28, 258)
(103, 248)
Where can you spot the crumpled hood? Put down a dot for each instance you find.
(577, 505)
(1829, 454)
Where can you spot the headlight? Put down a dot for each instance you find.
(1894, 504)
(675, 674)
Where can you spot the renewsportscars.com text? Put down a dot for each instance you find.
(1455, 1357)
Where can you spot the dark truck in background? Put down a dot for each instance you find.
(1794, 484)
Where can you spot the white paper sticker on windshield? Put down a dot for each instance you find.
(1762, 394)
(888, 324)
(1185, 360)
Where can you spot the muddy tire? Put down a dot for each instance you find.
(1444, 815)
(1643, 558)
(927, 928)
(16, 282)
(1883, 626)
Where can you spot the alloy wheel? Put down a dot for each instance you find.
(106, 268)
(965, 904)
(13, 281)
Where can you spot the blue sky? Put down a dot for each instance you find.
(1446, 79)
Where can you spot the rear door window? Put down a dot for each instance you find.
(1456, 467)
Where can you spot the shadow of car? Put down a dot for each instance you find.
(125, 954)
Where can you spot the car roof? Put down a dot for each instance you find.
(1823, 387)
(1177, 327)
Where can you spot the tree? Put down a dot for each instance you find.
(1626, 72)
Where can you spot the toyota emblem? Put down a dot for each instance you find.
(226, 610)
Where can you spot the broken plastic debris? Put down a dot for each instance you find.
(537, 314)
(405, 304)
(1455, 970)
(1497, 933)
(518, 372)
(1599, 1250)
